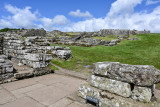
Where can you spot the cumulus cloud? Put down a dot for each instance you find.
(25, 18)
(78, 13)
(20, 17)
(122, 16)
(149, 2)
(57, 20)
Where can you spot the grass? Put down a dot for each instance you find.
(53, 67)
(107, 38)
(144, 51)
(23, 38)
(8, 29)
(72, 33)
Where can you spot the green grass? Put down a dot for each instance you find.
(8, 29)
(72, 33)
(107, 38)
(23, 38)
(144, 51)
(53, 67)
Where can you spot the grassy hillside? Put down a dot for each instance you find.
(145, 51)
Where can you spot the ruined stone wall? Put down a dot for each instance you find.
(121, 32)
(6, 68)
(33, 51)
(1, 44)
(126, 81)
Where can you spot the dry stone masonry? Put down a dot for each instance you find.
(6, 68)
(29, 48)
(85, 38)
(123, 80)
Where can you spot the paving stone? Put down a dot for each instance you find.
(61, 103)
(18, 84)
(44, 77)
(54, 80)
(65, 87)
(24, 102)
(20, 92)
(75, 104)
(1, 87)
(48, 95)
(5, 96)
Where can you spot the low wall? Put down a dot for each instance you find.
(127, 82)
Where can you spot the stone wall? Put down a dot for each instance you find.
(127, 81)
(1, 44)
(33, 51)
(6, 68)
(121, 32)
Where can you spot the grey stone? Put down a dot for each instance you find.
(35, 32)
(39, 72)
(105, 99)
(142, 94)
(63, 54)
(142, 75)
(132, 38)
(113, 86)
(23, 75)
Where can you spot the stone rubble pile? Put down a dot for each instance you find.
(124, 80)
(6, 68)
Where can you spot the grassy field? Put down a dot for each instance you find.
(145, 51)
(107, 38)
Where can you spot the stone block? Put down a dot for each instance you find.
(23, 75)
(33, 57)
(113, 86)
(142, 94)
(105, 99)
(142, 75)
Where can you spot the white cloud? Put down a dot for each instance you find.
(78, 13)
(57, 20)
(123, 7)
(149, 2)
(21, 17)
(25, 18)
(122, 16)
(60, 20)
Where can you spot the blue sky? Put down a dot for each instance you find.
(81, 15)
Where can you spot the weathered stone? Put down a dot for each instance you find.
(142, 94)
(63, 54)
(105, 99)
(35, 32)
(38, 57)
(39, 72)
(113, 86)
(39, 64)
(23, 75)
(33, 57)
(132, 38)
(2, 60)
(142, 75)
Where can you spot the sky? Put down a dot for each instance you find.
(81, 15)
